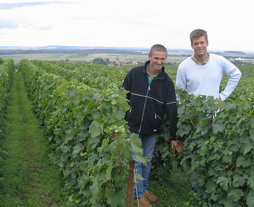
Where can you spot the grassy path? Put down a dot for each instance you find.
(30, 180)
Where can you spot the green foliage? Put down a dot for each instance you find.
(176, 192)
(82, 108)
(100, 61)
(219, 144)
(1, 61)
(30, 179)
(97, 76)
(218, 138)
(87, 130)
(6, 71)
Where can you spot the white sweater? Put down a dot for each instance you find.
(205, 79)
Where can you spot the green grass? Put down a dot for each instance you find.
(30, 178)
(175, 193)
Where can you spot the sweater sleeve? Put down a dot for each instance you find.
(234, 75)
(180, 78)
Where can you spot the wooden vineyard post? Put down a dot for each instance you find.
(130, 183)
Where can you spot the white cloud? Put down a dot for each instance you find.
(127, 23)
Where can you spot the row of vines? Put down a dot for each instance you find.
(82, 108)
(219, 146)
(85, 124)
(6, 70)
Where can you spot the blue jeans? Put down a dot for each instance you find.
(148, 144)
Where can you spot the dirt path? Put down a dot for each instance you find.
(30, 179)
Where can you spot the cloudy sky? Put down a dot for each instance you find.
(126, 23)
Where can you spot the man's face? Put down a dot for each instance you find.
(157, 60)
(199, 46)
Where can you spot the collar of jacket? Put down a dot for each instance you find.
(145, 71)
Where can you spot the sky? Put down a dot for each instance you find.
(127, 23)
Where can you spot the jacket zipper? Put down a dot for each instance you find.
(143, 112)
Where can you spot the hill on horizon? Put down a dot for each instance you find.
(8, 50)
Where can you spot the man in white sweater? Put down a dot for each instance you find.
(201, 74)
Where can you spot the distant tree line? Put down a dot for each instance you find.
(100, 61)
(77, 51)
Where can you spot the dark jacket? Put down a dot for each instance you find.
(149, 103)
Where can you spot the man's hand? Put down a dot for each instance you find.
(177, 146)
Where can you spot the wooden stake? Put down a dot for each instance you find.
(130, 183)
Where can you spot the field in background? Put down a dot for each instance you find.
(87, 57)
(116, 57)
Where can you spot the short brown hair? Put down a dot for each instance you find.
(195, 34)
(158, 47)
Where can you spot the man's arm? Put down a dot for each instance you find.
(127, 85)
(177, 146)
(180, 79)
(234, 75)
(175, 143)
(171, 109)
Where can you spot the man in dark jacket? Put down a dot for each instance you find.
(151, 96)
